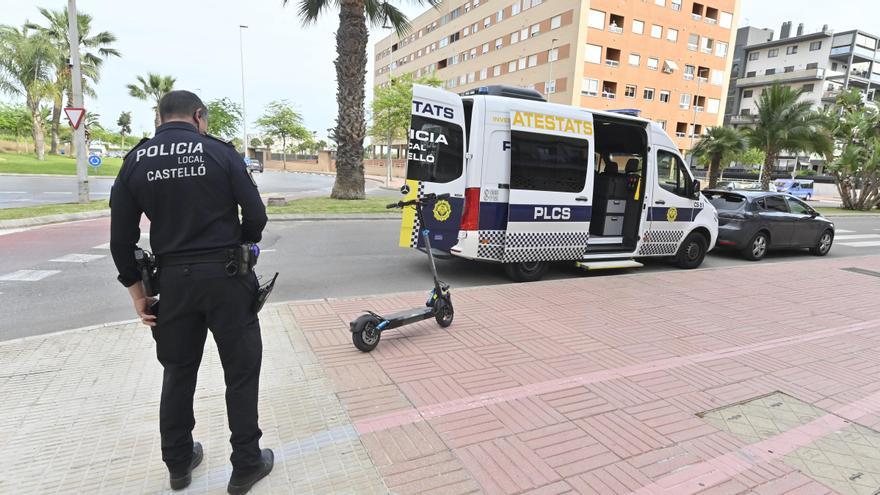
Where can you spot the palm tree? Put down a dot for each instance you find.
(94, 49)
(782, 123)
(717, 144)
(351, 69)
(124, 123)
(153, 87)
(26, 61)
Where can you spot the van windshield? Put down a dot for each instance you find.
(435, 151)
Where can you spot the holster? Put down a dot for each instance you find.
(149, 268)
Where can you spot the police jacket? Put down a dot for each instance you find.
(190, 187)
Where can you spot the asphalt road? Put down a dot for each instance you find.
(21, 190)
(316, 259)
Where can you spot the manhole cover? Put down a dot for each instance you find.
(847, 460)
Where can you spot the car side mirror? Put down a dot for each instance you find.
(696, 188)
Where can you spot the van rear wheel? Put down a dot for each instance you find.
(531, 271)
(691, 252)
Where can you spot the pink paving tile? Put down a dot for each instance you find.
(623, 434)
(357, 376)
(577, 402)
(469, 427)
(622, 392)
(432, 390)
(614, 479)
(503, 354)
(568, 449)
(558, 488)
(414, 367)
(373, 401)
(506, 466)
(436, 473)
(531, 372)
(402, 443)
(525, 414)
(458, 361)
(662, 384)
(483, 381)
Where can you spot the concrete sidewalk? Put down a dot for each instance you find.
(605, 385)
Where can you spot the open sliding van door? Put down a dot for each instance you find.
(435, 164)
(551, 181)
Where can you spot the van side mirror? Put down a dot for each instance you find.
(696, 188)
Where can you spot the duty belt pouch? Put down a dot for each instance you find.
(263, 294)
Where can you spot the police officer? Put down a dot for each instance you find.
(190, 186)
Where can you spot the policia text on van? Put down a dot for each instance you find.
(532, 182)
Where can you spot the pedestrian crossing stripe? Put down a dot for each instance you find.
(28, 275)
(860, 244)
(78, 258)
(856, 236)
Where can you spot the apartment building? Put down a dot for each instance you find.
(670, 59)
(821, 64)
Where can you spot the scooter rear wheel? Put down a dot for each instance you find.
(443, 311)
(365, 335)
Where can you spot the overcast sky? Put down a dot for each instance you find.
(197, 41)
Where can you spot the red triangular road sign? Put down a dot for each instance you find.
(75, 115)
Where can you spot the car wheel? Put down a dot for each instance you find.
(526, 272)
(823, 245)
(691, 252)
(757, 247)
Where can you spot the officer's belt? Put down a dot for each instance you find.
(212, 256)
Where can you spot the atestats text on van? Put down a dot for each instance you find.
(532, 182)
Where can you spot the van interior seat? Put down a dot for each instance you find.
(632, 166)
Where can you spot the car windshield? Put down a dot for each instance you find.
(727, 202)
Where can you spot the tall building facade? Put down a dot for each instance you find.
(821, 64)
(670, 59)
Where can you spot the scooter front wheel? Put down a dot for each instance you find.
(365, 335)
(443, 311)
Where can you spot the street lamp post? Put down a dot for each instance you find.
(244, 143)
(79, 134)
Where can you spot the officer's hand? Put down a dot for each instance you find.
(142, 307)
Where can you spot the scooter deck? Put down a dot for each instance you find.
(408, 316)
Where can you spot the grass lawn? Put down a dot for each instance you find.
(840, 211)
(327, 205)
(27, 163)
(57, 209)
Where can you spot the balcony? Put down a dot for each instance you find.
(698, 109)
(612, 63)
(711, 21)
(676, 7)
(615, 29)
(742, 120)
(680, 134)
(608, 95)
(696, 17)
(786, 77)
(693, 47)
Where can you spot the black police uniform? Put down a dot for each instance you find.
(190, 187)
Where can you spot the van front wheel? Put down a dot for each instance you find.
(526, 272)
(691, 252)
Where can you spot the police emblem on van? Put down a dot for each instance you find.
(671, 214)
(442, 210)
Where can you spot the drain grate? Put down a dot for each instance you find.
(847, 460)
(862, 271)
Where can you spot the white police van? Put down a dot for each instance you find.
(532, 182)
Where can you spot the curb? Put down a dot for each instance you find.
(47, 219)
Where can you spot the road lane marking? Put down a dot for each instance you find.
(856, 236)
(106, 245)
(79, 258)
(28, 275)
(844, 231)
(268, 250)
(13, 192)
(859, 244)
(57, 192)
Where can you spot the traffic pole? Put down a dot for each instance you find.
(79, 134)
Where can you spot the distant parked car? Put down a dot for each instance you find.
(255, 166)
(739, 185)
(755, 222)
(801, 188)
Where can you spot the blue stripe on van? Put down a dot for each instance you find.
(659, 214)
(493, 216)
(549, 213)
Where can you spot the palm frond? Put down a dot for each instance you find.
(310, 10)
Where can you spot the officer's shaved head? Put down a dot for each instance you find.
(180, 104)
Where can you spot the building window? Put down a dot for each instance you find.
(717, 77)
(444, 42)
(556, 22)
(590, 87)
(713, 105)
(487, 22)
(596, 19)
(685, 101)
(514, 9)
(499, 43)
(629, 91)
(808, 88)
(689, 72)
(751, 73)
(661, 3)
(499, 16)
(791, 50)
(511, 66)
(635, 59)
(754, 56)
(533, 60)
(664, 96)
(485, 48)
(707, 44)
(672, 34)
(496, 71)
(514, 38)
(812, 65)
(693, 42)
(638, 27)
(721, 49)
(535, 30)
(816, 45)
(524, 34)
(662, 123)
(594, 54)
(471, 77)
(653, 63)
(748, 93)
(769, 72)
(521, 63)
(725, 20)
(553, 55)
(484, 73)
(648, 94)
(656, 31)
(790, 68)
(550, 87)
(467, 31)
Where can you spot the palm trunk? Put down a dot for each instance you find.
(714, 168)
(37, 129)
(351, 69)
(157, 120)
(766, 175)
(56, 123)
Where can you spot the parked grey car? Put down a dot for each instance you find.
(255, 166)
(754, 222)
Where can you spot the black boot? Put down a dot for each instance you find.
(239, 484)
(179, 481)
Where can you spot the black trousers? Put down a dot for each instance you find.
(195, 298)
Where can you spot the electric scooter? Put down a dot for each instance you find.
(368, 328)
